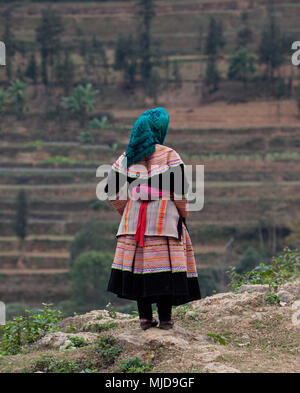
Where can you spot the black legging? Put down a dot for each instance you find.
(164, 308)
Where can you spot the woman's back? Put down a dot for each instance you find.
(163, 213)
(154, 259)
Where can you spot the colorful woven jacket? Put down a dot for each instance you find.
(164, 213)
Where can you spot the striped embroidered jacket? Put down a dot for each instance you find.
(164, 215)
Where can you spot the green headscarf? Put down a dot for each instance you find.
(150, 128)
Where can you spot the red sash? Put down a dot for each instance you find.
(141, 226)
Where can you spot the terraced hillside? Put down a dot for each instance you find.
(251, 154)
(251, 176)
(176, 20)
(176, 25)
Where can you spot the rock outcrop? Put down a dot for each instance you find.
(244, 315)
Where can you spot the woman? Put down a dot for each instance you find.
(154, 260)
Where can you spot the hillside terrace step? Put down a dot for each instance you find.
(36, 245)
(35, 254)
(73, 177)
(224, 210)
(9, 260)
(46, 170)
(18, 272)
(56, 227)
(208, 184)
(11, 146)
(43, 207)
(13, 137)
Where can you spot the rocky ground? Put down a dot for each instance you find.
(227, 332)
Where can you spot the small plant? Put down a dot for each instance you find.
(36, 144)
(24, 330)
(78, 342)
(86, 137)
(107, 348)
(111, 311)
(134, 365)
(271, 298)
(17, 97)
(282, 269)
(71, 328)
(80, 102)
(59, 160)
(100, 327)
(217, 338)
(49, 364)
(181, 311)
(97, 124)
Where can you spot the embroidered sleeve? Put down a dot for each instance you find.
(179, 183)
(115, 188)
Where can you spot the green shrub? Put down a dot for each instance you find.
(282, 269)
(94, 236)
(78, 342)
(24, 330)
(271, 298)
(134, 365)
(250, 260)
(80, 102)
(89, 277)
(101, 327)
(111, 310)
(107, 348)
(49, 364)
(59, 160)
(97, 124)
(217, 338)
(180, 311)
(37, 143)
(86, 137)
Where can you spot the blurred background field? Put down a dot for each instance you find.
(78, 74)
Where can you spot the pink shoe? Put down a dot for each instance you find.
(166, 324)
(147, 323)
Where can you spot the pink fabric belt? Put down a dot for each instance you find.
(144, 190)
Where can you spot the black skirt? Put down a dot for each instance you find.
(177, 286)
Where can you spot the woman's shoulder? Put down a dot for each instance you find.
(167, 154)
(165, 149)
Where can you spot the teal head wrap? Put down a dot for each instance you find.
(150, 128)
